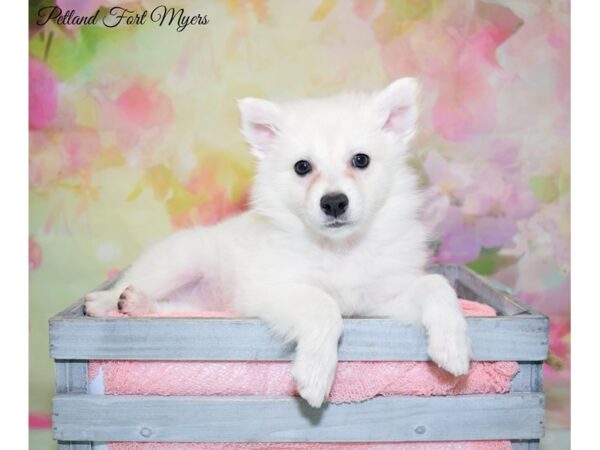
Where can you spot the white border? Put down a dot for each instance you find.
(14, 234)
(585, 222)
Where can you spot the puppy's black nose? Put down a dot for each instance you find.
(334, 204)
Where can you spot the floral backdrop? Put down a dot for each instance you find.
(134, 133)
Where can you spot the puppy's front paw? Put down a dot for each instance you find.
(100, 303)
(133, 301)
(450, 349)
(314, 376)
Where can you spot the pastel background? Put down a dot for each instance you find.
(134, 133)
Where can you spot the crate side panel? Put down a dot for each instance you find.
(71, 378)
(533, 444)
(493, 339)
(277, 419)
(66, 445)
(529, 378)
(471, 286)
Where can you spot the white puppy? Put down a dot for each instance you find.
(333, 230)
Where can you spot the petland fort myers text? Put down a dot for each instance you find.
(118, 16)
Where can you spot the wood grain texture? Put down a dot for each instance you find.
(472, 286)
(72, 378)
(74, 445)
(533, 444)
(493, 339)
(281, 419)
(529, 378)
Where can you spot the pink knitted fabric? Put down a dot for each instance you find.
(463, 445)
(354, 381)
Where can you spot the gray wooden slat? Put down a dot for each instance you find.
(533, 444)
(522, 380)
(529, 378)
(63, 445)
(71, 376)
(519, 338)
(73, 310)
(285, 419)
(71, 379)
(537, 377)
(471, 286)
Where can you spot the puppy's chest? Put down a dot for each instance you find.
(355, 280)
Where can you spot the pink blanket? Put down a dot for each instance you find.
(465, 445)
(354, 381)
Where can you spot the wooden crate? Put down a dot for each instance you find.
(516, 334)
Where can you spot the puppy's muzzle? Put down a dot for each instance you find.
(334, 204)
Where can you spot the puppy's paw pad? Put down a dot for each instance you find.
(134, 301)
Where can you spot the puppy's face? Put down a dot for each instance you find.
(328, 164)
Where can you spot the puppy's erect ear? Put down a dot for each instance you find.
(260, 123)
(398, 107)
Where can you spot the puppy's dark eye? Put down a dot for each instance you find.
(302, 167)
(360, 161)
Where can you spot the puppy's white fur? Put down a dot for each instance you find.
(283, 260)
